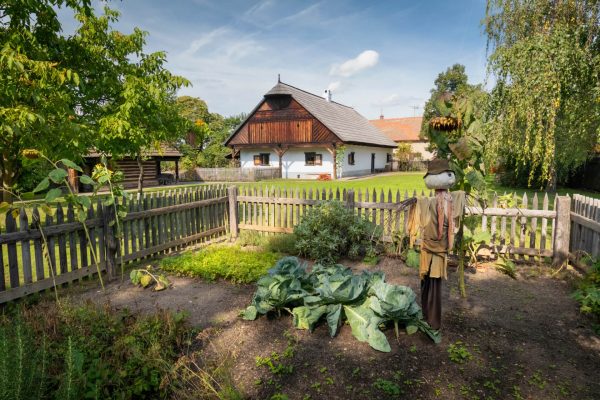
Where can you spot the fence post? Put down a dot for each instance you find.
(110, 242)
(350, 199)
(233, 212)
(562, 231)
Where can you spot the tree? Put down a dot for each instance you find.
(545, 114)
(62, 94)
(214, 153)
(452, 81)
(37, 86)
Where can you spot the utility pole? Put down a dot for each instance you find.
(415, 108)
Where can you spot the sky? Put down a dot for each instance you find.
(377, 56)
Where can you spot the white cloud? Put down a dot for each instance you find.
(366, 59)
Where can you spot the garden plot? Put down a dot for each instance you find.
(510, 338)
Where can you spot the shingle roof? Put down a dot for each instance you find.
(163, 150)
(400, 129)
(345, 122)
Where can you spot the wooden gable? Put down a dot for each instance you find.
(282, 120)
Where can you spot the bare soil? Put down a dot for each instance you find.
(526, 340)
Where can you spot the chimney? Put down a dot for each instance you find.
(327, 94)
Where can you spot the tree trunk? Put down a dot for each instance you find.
(141, 175)
(7, 179)
(551, 186)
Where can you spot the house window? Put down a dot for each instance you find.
(261, 159)
(351, 158)
(313, 159)
(389, 157)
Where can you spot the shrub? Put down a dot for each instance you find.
(251, 238)
(228, 262)
(330, 231)
(588, 293)
(85, 351)
(284, 244)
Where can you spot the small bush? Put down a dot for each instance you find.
(252, 238)
(284, 244)
(228, 262)
(588, 292)
(79, 352)
(330, 231)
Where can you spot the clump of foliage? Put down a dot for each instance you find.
(330, 231)
(588, 292)
(85, 351)
(507, 267)
(145, 277)
(336, 294)
(252, 238)
(544, 119)
(458, 352)
(228, 262)
(284, 244)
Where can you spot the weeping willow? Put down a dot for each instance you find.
(545, 108)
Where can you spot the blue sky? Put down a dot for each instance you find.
(374, 55)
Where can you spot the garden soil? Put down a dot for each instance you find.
(509, 339)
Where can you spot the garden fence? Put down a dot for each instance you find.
(235, 174)
(158, 223)
(155, 224)
(526, 230)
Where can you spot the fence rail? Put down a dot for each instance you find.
(155, 224)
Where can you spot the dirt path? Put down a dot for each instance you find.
(525, 337)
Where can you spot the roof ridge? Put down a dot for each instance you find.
(316, 95)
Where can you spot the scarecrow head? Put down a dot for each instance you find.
(439, 175)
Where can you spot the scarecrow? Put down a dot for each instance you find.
(434, 220)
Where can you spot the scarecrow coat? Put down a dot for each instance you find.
(436, 240)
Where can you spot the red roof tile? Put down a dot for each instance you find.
(400, 129)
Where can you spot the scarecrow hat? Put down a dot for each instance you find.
(437, 166)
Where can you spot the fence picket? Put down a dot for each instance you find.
(37, 249)
(544, 223)
(13, 263)
(25, 248)
(533, 224)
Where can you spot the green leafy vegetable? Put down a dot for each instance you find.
(336, 294)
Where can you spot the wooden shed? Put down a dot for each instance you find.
(153, 175)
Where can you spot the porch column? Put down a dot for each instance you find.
(176, 170)
(333, 151)
(280, 152)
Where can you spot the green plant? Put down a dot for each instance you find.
(458, 352)
(229, 262)
(506, 266)
(334, 292)
(588, 291)
(284, 244)
(86, 351)
(388, 387)
(144, 277)
(252, 238)
(330, 231)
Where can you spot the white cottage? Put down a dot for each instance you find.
(301, 133)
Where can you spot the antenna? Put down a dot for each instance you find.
(415, 108)
(278, 78)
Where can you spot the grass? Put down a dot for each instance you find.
(228, 262)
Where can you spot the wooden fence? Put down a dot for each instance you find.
(528, 229)
(156, 223)
(585, 226)
(235, 174)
